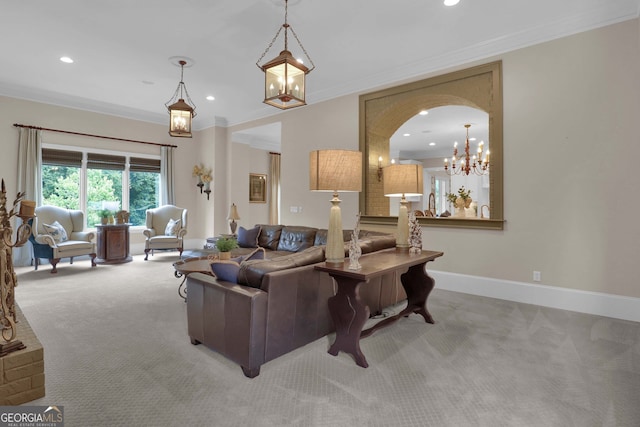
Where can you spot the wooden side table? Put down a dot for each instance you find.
(113, 244)
(349, 313)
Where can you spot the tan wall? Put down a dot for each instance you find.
(570, 144)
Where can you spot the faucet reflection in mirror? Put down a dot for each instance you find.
(468, 163)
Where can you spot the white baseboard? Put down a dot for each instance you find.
(600, 304)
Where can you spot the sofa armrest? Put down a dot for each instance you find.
(45, 239)
(228, 318)
(149, 232)
(85, 236)
(181, 233)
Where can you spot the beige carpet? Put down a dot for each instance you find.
(117, 354)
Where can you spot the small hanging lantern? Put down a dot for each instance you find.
(180, 112)
(284, 76)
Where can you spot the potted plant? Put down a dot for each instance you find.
(104, 216)
(225, 245)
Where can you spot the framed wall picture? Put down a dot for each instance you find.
(257, 188)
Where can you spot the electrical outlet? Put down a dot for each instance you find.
(537, 276)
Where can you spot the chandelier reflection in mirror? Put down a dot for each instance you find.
(466, 163)
(284, 75)
(180, 112)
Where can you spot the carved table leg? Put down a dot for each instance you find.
(418, 285)
(349, 315)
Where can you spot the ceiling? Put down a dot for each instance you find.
(122, 48)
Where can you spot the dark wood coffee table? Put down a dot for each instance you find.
(192, 265)
(349, 313)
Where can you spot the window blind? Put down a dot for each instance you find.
(105, 161)
(61, 157)
(139, 164)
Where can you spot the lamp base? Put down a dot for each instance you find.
(402, 249)
(334, 252)
(334, 264)
(233, 225)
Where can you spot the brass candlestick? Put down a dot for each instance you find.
(8, 278)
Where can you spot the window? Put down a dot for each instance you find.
(105, 182)
(61, 178)
(144, 188)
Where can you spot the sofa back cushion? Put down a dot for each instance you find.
(269, 236)
(296, 238)
(251, 272)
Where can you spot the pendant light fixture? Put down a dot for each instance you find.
(181, 112)
(284, 75)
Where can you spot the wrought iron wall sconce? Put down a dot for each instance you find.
(204, 179)
(379, 168)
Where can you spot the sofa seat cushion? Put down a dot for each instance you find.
(74, 245)
(251, 272)
(296, 238)
(164, 239)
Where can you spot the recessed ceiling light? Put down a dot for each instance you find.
(472, 138)
(423, 112)
(66, 60)
(147, 82)
(406, 134)
(210, 98)
(451, 2)
(432, 144)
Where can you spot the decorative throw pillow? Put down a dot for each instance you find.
(226, 270)
(248, 238)
(57, 231)
(172, 227)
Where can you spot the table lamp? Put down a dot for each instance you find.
(401, 181)
(335, 170)
(233, 215)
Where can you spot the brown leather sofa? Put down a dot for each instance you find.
(279, 303)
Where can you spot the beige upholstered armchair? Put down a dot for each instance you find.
(166, 228)
(59, 233)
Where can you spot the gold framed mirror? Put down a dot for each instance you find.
(383, 112)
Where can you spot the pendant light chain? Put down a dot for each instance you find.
(286, 27)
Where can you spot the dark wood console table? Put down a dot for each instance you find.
(349, 313)
(113, 244)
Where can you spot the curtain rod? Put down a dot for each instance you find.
(92, 135)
